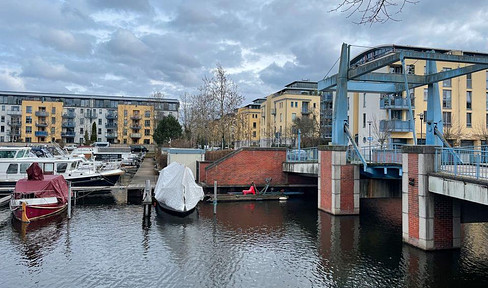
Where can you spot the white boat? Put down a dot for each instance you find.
(176, 191)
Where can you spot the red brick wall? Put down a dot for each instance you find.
(325, 180)
(247, 165)
(413, 199)
(347, 188)
(443, 222)
(202, 165)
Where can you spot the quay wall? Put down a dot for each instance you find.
(245, 165)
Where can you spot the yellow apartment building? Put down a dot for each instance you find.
(464, 102)
(41, 121)
(297, 100)
(248, 124)
(135, 124)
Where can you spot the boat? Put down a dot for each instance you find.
(176, 192)
(39, 196)
(73, 169)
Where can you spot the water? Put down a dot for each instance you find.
(262, 244)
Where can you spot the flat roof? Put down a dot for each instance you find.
(87, 96)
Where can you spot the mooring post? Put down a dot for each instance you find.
(147, 199)
(215, 197)
(69, 199)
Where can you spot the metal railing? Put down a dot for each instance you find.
(465, 161)
(302, 155)
(376, 154)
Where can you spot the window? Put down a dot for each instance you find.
(426, 94)
(61, 167)
(147, 132)
(486, 120)
(3, 107)
(293, 116)
(253, 133)
(53, 130)
(447, 82)
(469, 81)
(28, 120)
(125, 113)
(48, 168)
(468, 119)
(82, 121)
(468, 100)
(291, 104)
(12, 168)
(81, 130)
(147, 123)
(253, 125)
(23, 167)
(28, 109)
(53, 110)
(281, 117)
(2, 129)
(147, 114)
(446, 99)
(99, 131)
(53, 120)
(446, 118)
(99, 121)
(396, 115)
(2, 119)
(296, 104)
(28, 129)
(364, 120)
(364, 100)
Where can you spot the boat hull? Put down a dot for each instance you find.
(94, 180)
(166, 211)
(36, 212)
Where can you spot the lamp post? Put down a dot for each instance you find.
(369, 138)
(421, 116)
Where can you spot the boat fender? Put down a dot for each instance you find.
(24, 213)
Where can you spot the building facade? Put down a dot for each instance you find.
(69, 118)
(298, 99)
(248, 124)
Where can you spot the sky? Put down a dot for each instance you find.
(138, 47)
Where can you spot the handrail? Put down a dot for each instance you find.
(444, 141)
(348, 133)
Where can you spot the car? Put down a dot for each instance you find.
(138, 148)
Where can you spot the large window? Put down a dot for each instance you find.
(468, 119)
(469, 100)
(447, 82)
(28, 109)
(469, 81)
(446, 118)
(446, 99)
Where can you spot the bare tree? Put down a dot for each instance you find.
(309, 130)
(373, 11)
(453, 132)
(481, 132)
(382, 133)
(223, 98)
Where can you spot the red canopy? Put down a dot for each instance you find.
(34, 172)
(50, 186)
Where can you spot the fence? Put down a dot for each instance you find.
(302, 155)
(376, 154)
(466, 161)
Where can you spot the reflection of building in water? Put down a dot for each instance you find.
(38, 238)
(474, 241)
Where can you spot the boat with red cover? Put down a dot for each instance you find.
(39, 196)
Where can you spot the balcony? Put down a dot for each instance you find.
(135, 135)
(111, 125)
(69, 115)
(306, 111)
(394, 126)
(396, 103)
(14, 112)
(68, 134)
(42, 114)
(111, 135)
(111, 116)
(40, 133)
(136, 117)
(68, 124)
(41, 124)
(135, 127)
(14, 123)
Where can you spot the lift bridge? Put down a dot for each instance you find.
(360, 75)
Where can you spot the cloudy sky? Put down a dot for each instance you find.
(136, 47)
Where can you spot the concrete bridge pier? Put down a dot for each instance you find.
(429, 221)
(338, 182)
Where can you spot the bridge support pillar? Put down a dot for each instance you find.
(338, 182)
(429, 221)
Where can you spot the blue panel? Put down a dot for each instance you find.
(434, 111)
(41, 133)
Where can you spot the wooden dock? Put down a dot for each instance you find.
(4, 200)
(249, 197)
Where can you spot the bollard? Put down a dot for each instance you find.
(147, 199)
(215, 197)
(69, 199)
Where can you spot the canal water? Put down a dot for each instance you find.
(261, 244)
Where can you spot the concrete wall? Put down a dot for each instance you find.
(188, 157)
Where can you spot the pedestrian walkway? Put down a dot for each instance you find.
(145, 171)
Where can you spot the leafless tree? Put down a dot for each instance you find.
(453, 132)
(222, 98)
(373, 11)
(481, 132)
(382, 134)
(158, 96)
(309, 130)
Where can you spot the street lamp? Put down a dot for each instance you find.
(421, 116)
(369, 138)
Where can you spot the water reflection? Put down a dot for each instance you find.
(38, 238)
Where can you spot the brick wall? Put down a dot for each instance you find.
(246, 165)
(201, 169)
(347, 188)
(325, 181)
(413, 197)
(443, 222)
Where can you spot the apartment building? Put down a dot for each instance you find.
(69, 117)
(136, 124)
(248, 124)
(297, 100)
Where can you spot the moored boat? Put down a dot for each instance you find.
(176, 192)
(39, 196)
